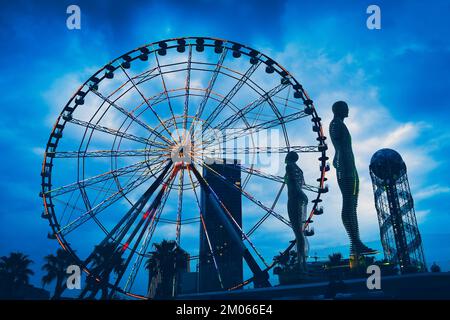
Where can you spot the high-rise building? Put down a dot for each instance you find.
(228, 255)
(399, 232)
(163, 282)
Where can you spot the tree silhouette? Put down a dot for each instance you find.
(164, 265)
(335, 259)
(15, 271)
(286, 263)
(106, 260)
(335, 275)
(435, 267)
(56, 266)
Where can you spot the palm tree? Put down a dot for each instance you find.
(165, 263)
(15, 271)
(106, 260)
(335, 259)
(435, 267)
(334, 270)
(56, 266)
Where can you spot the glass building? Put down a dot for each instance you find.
(228, 255)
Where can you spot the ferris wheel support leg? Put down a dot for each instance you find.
(144, 221)
(261, 277)
(138, 206)
(133, 212)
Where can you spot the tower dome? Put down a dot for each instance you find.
(387, 163)
(399, 231)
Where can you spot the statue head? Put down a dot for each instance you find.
(291, 157)
(340, 109)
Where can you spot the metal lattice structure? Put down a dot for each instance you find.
(399, 232)
(123, 164)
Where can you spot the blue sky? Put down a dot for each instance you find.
(395, 80)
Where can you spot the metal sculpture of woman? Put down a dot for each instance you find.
(297, 205)
(347, 177)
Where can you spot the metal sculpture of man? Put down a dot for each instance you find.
(347, 177)
(297, 205)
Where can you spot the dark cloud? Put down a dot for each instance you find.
(407, 60)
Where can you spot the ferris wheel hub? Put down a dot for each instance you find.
(181, 153)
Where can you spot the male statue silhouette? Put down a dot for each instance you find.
(297, 205)
(347, 177)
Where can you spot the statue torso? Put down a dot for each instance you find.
(344, 160)
(295, 182)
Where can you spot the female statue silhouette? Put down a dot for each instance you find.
(347, 177)
(297, 205)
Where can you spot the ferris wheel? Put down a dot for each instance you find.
(126, 161)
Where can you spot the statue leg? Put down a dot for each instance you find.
(302, 253)
(350, 190)
(302, 247)
(295, 219)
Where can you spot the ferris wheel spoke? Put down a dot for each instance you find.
(105, 189)
(109, 153)
(255, 128)
(277, 114)
(290, 103)
(267, 150)
(280, 179)
(155, 100)
(245, 193)
(114, 132)
(147, 102)
(147, 238)
(141, 254)
(133, 118)
(203, 224)
(169, 103)
(117, 233)
(267, 214)
(122, 192)
(113, 174)
(243, 235)
(227, 123)
(261, 174)
(152, 169)
(180, 205)
(211, 84)
(145, 76)
(187, 85)
(198, 135)
(88, 206)
(270, 95)
(150, 212)
(141, 227)
(229, 96)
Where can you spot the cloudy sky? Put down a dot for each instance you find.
(395, 81)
